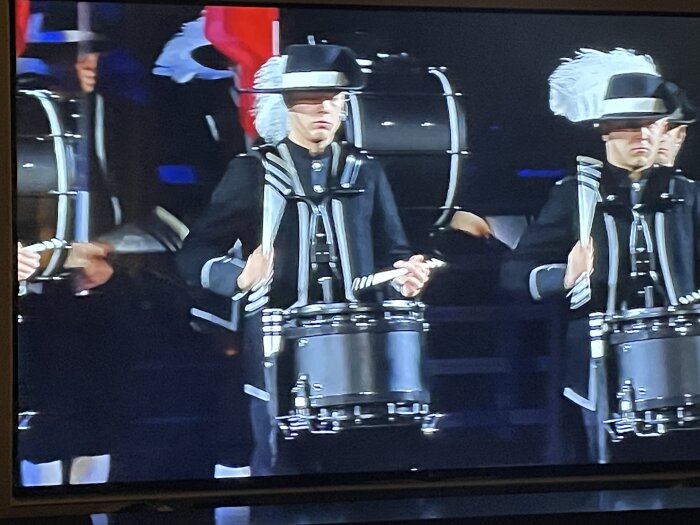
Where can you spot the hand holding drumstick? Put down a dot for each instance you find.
(411, 275)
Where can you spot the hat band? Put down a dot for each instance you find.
(68, 36)
(314, 80)
(614, 106)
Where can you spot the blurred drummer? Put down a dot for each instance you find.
(328, 210)
(61, 447)
(641, 252)
(672, 141)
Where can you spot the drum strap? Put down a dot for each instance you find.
(588, 403)
(613, 260)
(662, 248)
(349, 177)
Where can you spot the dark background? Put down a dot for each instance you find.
(500, 62)
(493, 365)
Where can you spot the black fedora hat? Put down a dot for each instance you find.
(636, 96)
(684, 111)
(322, 67)
(53, 34)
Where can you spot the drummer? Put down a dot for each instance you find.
(329, 211)
(639, 254)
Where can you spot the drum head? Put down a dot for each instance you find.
(412, 119)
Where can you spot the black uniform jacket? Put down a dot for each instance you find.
(538, 264)
(366, 220)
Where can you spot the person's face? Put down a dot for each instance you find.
(314, 116)
(633, 145)
(86, 70)
(670, 144)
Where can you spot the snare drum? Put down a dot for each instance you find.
(343, 366)
(653, 369)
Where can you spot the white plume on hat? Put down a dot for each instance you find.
(270, 111)
(176, 62)
(578, 85)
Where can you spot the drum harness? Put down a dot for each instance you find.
(322, 234)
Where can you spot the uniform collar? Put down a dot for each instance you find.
(300, 152)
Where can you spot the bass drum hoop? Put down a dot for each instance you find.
(65, 167)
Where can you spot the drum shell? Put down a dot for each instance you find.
(660, 357)
(346, 363)
(45, 161)
(37, 166)
(414, 124)
(663, 372)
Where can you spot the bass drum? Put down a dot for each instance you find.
(412, 120)
(45, 168)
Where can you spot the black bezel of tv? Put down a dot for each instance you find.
(16, 502)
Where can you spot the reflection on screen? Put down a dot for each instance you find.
(264, 241)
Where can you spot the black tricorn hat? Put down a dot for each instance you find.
(636, 96)
(684, 111)
(322, 67)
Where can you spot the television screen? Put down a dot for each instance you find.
(264, 241)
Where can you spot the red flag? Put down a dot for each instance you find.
(246, 36)
(21, 20)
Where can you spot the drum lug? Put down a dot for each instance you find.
(301, 393)
(24, 419)
(430, 423)
(626, 397)
(628, 408)
(627, 421)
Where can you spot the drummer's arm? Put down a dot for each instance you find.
(389, 228)
(203, 260)
(537, 266)
(91, 264)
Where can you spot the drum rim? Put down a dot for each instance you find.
(65, 165)
(399, 305)
(656, 312)
(666, 403)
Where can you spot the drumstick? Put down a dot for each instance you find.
(43, 246)
(690, 298)
(384, 276)
(588, 178)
